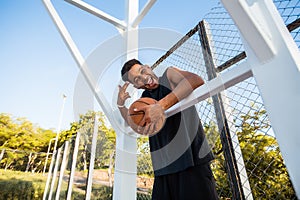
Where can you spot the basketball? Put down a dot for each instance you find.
(135, 117)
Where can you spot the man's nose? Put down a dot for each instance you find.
(144, 78)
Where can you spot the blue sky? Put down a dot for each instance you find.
(36, 66)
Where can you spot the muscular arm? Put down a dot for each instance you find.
(182, 84)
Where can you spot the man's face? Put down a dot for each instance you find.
(142, 77)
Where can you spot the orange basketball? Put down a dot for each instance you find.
(135, 117)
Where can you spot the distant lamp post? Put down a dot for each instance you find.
(54, 149)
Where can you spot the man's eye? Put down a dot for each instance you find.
(136, 80)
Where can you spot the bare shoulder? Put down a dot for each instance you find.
(173, 71)
(176, 75)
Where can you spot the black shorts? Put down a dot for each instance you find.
(195, 183)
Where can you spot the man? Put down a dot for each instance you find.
(179, 151)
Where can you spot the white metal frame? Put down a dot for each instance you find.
(92, 160)
(273, 59)
(275, 62)
(269, 48)
(125, 167)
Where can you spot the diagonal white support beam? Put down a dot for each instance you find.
(213, 87)
(254, 26)
(91, 80)
(126, 145)
(142, 14)
(98, 13)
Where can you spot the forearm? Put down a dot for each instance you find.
(183, 89)
(124, 113)
(168, 101)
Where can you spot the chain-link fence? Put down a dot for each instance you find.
(248, 162)
(23, 160)
(83, 167)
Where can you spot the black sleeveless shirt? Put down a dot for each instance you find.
(181, 142)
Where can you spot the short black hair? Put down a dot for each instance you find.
(127, 66)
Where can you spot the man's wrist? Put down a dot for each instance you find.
(120, 106)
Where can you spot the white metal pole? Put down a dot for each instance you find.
(125, 172)
(59, 123)
(275, 61)
(92, 161)
(90, 79)
(95, 11)
(62, 170)
(73, 167)
(237, 148)
(142, 14)
(54, 148)
(213, 87)
(126, 146)
(54, 174)
(48, 151)
(49, 175)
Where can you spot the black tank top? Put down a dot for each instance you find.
(181, 142)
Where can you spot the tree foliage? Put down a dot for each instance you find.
(23, 147)
(263, 161)
(22, 144)
(106, 139)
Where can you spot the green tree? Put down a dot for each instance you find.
(264, 164)
(7, 129)
(218, 165)
(106, 140)
(21, 143)
(144, 163)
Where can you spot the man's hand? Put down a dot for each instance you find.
(154, 119)
(123, 95)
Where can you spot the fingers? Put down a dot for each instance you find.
(123, 95)
(143, 122)
(146, 119)
(126, 95)
(150, 129)
(145, 126)
(152, 120)
(151, 126)
(124, 87)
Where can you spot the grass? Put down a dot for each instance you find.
(15, 185)
(21, 185)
